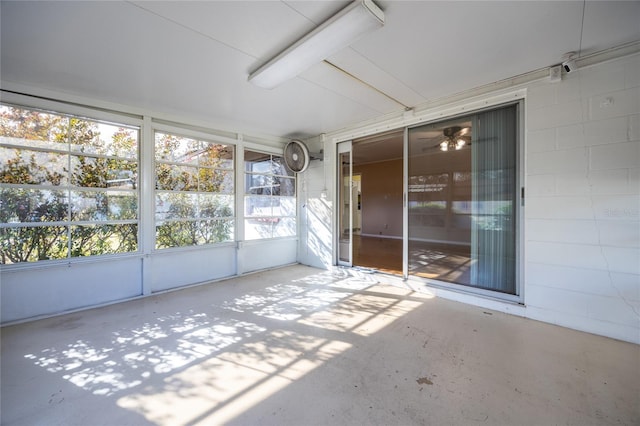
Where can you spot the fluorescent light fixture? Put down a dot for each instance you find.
(338, 32)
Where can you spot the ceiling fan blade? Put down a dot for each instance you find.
(463, 132)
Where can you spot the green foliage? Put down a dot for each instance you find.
(181, 230)
(32, 244)
(176, 178)
(193, 232)
(28, 124)
(183, 164)
(22, 202)
(47, 162)
(103, 239)
(17, 170)
(191, 220)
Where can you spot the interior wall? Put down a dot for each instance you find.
(381, 198)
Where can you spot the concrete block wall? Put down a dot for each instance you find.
(582, 214)
(315, 207)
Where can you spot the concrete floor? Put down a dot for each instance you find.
(301, 346)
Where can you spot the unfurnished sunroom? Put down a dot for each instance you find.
(487, 153)
(518, 186)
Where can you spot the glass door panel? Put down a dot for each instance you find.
(345, 200)
(463, 200)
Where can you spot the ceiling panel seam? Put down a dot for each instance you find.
(193, 30)
(361, 81)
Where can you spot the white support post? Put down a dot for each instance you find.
(239, 191)
(147, 203)
(405, 204)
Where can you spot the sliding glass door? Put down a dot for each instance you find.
(463, 200)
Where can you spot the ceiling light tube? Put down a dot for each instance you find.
(338, 32)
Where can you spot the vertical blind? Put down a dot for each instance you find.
(494, 195)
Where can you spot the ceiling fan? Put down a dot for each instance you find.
(456, 138)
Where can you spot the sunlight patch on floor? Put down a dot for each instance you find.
(362, 314)
(211, 361)
(134, 355)
(218, 389)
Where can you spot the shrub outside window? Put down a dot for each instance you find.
(194, 197)
(68, 186)
(270, 197)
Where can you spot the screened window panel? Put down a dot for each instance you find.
(185, 233)
(214, 180)
(270, 197)
(171, 177)
(258, 206)
(175, 205)
(194, 202)
(34, 243)
(72, 180)
(90, 240)
(103, 206)
(111, 140)
(24, 166)
(33, 205)
(101, 172)
(215, 206)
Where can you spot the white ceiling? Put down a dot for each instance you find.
(192, 59)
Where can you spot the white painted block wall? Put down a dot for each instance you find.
(315, 208)
(582, 220)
